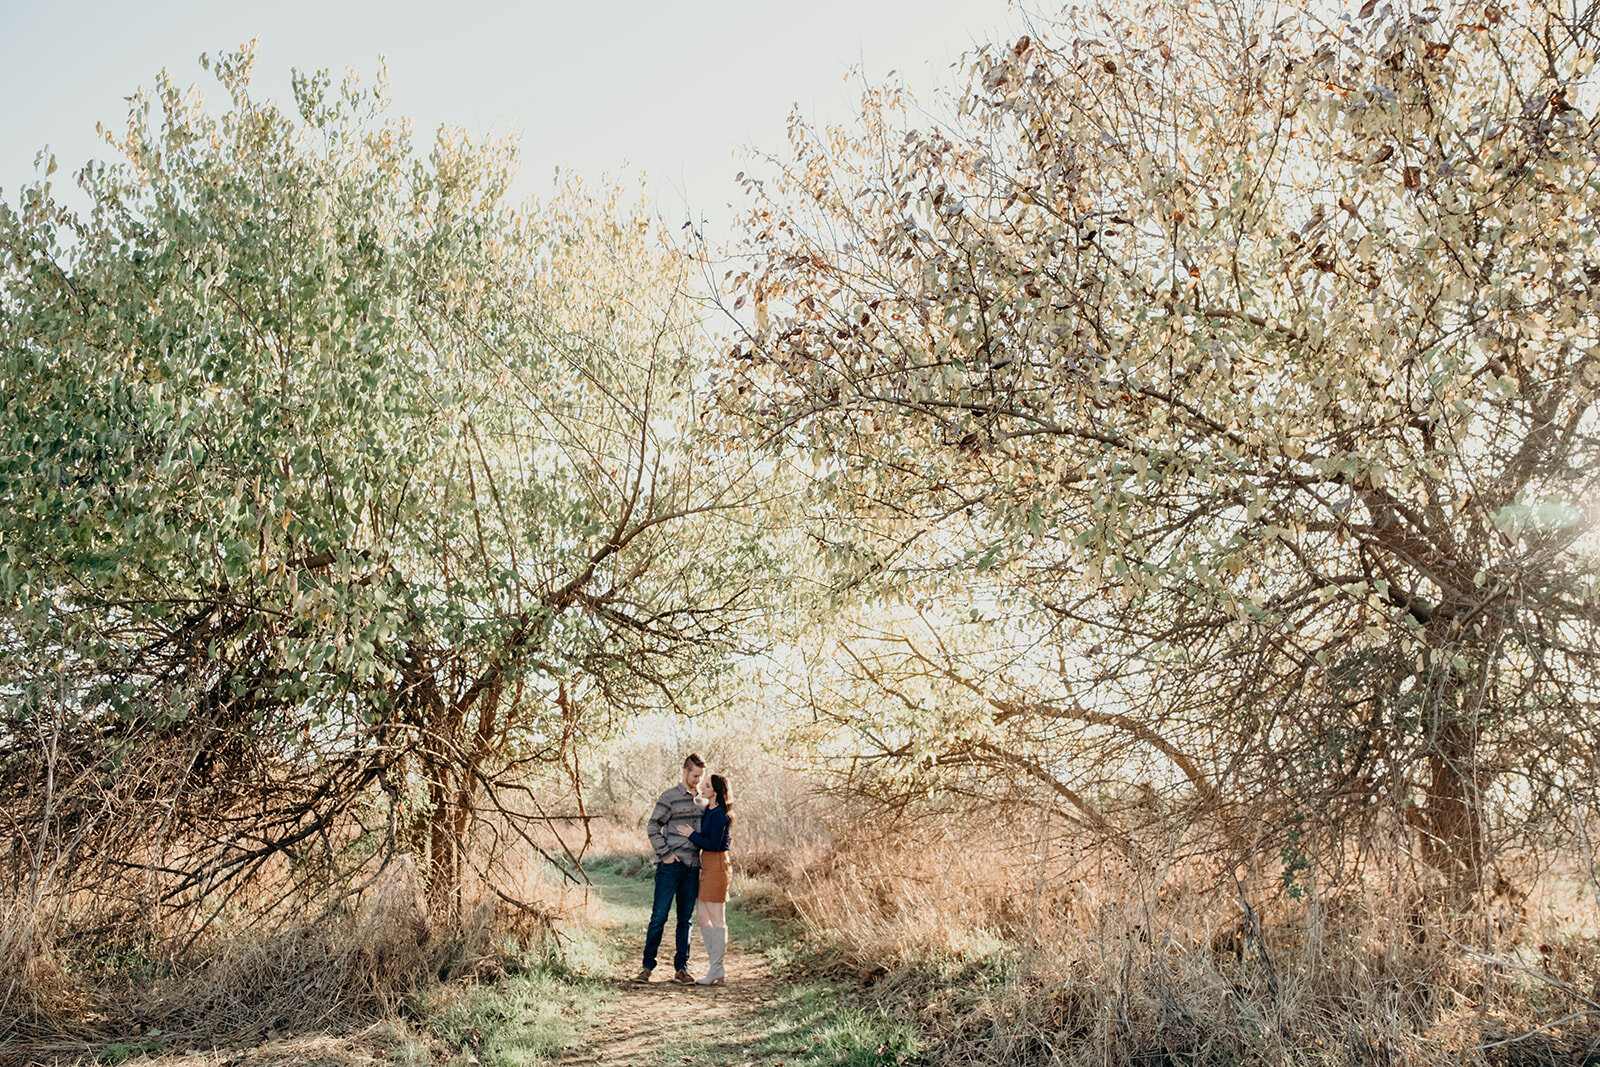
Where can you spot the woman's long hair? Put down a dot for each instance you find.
(719, 786)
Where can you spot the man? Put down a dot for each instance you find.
(676, 815)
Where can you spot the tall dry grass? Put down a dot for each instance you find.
(78, 975)
(1012, 945)
(101, 952)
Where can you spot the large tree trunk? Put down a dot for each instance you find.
(1452, 822)
(456, 755)
(430, 834)
(444, 861)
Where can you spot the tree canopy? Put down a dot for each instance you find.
(1220, 393)
(338, 492)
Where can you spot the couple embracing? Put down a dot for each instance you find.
(689, 832)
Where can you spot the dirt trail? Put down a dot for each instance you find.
(663, 1023)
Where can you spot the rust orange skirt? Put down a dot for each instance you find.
(714, 875)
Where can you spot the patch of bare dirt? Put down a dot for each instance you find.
(690, 1024)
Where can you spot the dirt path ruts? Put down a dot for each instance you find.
(661, 1023)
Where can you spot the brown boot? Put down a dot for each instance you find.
(683, 978)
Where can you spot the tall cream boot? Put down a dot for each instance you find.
(716, 942)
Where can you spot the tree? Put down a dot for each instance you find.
(1245, 374)
(340, 494)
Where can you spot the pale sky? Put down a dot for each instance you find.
(672, 88)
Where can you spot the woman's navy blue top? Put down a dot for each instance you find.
(713, 833)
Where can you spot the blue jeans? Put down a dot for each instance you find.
(674, 881)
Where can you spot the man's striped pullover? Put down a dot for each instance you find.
(674, 807)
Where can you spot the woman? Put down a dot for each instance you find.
(712, 841)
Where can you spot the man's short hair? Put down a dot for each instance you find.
(692, 760)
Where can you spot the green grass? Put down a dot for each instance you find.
(553, 994)
(774, 940)
(813, 1023)
(122, 1051)
(627, 886)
